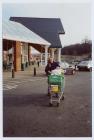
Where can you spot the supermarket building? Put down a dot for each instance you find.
(20, 34)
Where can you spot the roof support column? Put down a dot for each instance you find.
(59, 54)
(52, 53)
(46, 55)
(41, 58)
(23, 55)
(17, 56)
(29, 54)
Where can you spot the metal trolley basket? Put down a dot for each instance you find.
(56, 84)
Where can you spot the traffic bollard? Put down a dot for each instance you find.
(13, 73)
(34, 71)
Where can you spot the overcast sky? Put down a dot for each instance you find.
(75, 17)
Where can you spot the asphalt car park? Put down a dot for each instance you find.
(26, 111)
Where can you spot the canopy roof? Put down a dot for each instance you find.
(18, 32)
(48, 28)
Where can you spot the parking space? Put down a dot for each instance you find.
(26, 110)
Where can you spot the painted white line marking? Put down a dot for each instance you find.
(12, 84)
(7, 87)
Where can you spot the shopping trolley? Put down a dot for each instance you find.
(56, 84)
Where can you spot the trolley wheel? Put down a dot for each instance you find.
(62, 97)
(50, 104)
(48, 94)
(57, 104)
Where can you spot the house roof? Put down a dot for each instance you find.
(18, 32)
(48, 28)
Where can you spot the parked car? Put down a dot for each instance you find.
(85, 65)
(75, 63)
(68, 69)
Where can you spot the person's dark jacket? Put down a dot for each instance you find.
(50, 67)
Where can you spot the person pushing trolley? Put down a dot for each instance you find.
(56, 82)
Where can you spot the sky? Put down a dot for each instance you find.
(75, 17)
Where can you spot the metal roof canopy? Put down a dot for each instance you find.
(48, 28)
(18, 32)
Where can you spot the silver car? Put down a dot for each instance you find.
(68, 69)
(85, 65)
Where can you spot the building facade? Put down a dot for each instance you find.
(20, 34)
